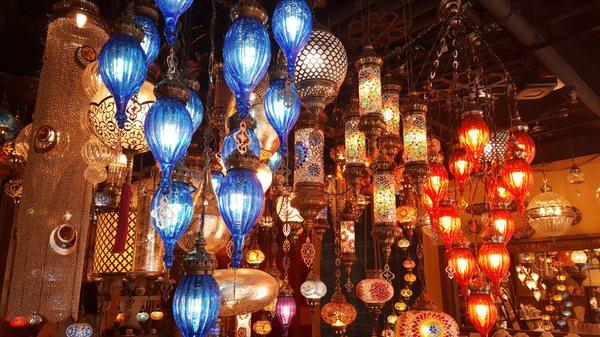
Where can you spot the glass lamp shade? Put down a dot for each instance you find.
(384, 198)
(355, 142)
(246, 55)
(282, 109)
(338, 313)
(313, 289)
(522, 141)
(157, 314)
(241, 199)
(171, 212)
(503, 223)
(374, 290)
(414, 132)
(168, 130)
(292, 26)
(463, 262)
(474, 135)
(142, 316)
(426, 323)
(460, 166)
(579, 257)
(447, 224)
(517, 174)
(369, 87)
(497, 191)
(122, 65)
(285, 311)
(436, 183)
(391, 110)
(230, 144)
(94, 152)
(255, 257)
(151, 42)
(406, 215)
(285, 211)
(347, 237)
(494, 262)
(262, 327)
(101, 117)
(195, 108)
(79, 329)
(171, 11)
(309, 156)
(196, 305)
(91, 81)
(550, 213)
(482, 312)
(245, 290)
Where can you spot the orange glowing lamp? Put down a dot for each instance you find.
(482, 311)
(460, 166)
(503, 223)
(517, 174)
(463, 262)
(436, 183)
(447, 223)
(494, 261)
(474, 134)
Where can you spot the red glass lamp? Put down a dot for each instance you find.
(503, 223)
(474, 134)
(463, 262)
(460, 166)
(517, 174)
(482, 310)
(494, 260)
(436, 183)
(447, 223)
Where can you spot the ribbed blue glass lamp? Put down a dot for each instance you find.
(241, 199)
(172, 10)
(282, 105)
(147, 17)
(292, 26)
(194, 104)
(168, 126)
(171, 211)
(197, 300)
(122, 63)
(246, 52)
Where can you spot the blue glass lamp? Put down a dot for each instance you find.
(241, 199)
(282, 105)
(194, 104)
(246, 52)
(8, 123)
(122, 63)
(197, 300)
(172, 10)
(147, 17)
(171, 211)
(292, 26)
(168, 126)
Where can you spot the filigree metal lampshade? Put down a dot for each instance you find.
(550, 213)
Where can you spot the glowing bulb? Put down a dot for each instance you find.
(265, 176)
(80, 20)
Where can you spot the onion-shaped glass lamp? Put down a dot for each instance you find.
(494, 260)
(197, 302)
(171, 11)
(246, 52)
(241, 199)
(517, 174)
(171, 212)
(285, 310)
(122, 64)
(474, 134)
(194, 104)
(460, 166)
(245, 290)
(313, 290)
(503, 223)
(292, 25)
(282, 105)
(522, 140)
(550, 213)
(436, 183)
(168, 126)
(482, 310)
(463, 263)
(79, 329)
(230, 142)
(147, 17)
(447, 223)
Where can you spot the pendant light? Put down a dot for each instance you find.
(146, 16)
(517, 174)
(171, 11)
(463, 262)
(285, 310)
(494, 261)
(503, 223)
(460, 166)
(246, 52)
(194, 104)
(447, 222)
(522, 139)
(292, 25)
(122, 63)
(474, 134)
(436, 183)
(482, 310)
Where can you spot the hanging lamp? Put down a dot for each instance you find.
(474, 133)
(171, 11)
(494, 261)
(482, 310)
(146, 16)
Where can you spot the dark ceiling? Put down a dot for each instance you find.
(561, 124)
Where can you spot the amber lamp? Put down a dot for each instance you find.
(494, 260)
(497, 191)
(460, 166)
(338, 313)
(503, 223)
(517, 174)
(436, 183)
(482, 310)
(463, 262)
(447, 223)
(522, 141)
(474, 134)
(427, 203)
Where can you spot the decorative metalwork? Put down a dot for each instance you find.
(105, 261)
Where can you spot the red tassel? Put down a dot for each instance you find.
(123, 226)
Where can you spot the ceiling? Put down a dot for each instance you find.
(561, 124)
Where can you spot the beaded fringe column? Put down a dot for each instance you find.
(43, 281)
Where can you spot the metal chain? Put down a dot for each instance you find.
(172, 61)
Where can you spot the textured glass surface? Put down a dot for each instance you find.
(171, 213)
(356, 143)
(196, 305)
(497, 149)
(309, 156)
(172, 10)
(241, 199)
(369, 89)
(374, 290)
(426, 324)
(168, 131)
(314, 289)
(474, 135)
(384, 198)
(196, 109)
(245, 290)
(347, 237)
(230, 144)
(282, 110)
(414, 130)
(285, 311)
(391, 111)
(122, 65)
(79, 329)
(547, 214)
(292, 26)
(151, 42)
(246, 56)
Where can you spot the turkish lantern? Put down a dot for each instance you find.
(447, 223)
(460, 166)
(517, 174)
(427, 204)
(497, 191)
(436, 183)
(494, 261)
(474, 134)
(522, 141)
(482, 311)
(503, 223)
(463, 262)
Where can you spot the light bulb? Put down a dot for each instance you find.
(80, 20)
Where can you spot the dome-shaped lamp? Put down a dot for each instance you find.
(550, 213)
(292, 25)
(338, 313)
(313, 290)
(79, 329)
(374, 293)
(425, 320)
(171, 11)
